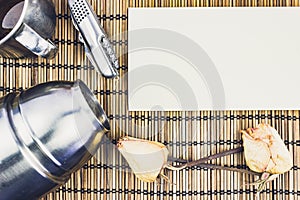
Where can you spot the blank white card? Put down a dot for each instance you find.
(213, 59)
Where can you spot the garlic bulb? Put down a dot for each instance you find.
(146, 158)
(265, 151)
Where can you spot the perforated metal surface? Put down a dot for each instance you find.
(80, 10)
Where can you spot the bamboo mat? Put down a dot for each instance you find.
(188, 135)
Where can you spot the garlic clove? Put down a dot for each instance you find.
(145, 158)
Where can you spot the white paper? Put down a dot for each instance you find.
(214, 59)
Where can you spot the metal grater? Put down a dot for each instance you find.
(97, 46)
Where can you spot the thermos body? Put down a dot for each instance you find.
(46, 133)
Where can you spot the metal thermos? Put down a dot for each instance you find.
(46, 133)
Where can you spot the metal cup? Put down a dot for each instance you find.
(46, 133)
(25, 28)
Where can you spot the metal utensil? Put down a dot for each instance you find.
(97, 46)
(46, 133)
(25, 28)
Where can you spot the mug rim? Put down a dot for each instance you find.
(18, 24)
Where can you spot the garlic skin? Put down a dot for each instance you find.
(265, 151)
(145, 158)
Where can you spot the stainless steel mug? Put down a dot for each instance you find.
(25, 28)
(46, 133)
